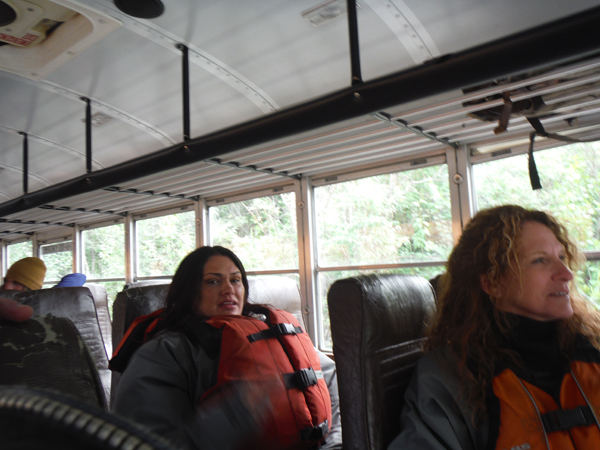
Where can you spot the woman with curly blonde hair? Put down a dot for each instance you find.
(513, 356)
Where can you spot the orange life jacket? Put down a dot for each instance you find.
(253, 350)
(531, 419)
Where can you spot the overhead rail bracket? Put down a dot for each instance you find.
(185, 90)
(25, 162)
(88, 134)
(354, 47)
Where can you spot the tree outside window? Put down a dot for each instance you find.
(570, 178)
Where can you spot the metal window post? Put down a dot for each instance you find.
(130, 257)
(305, 223)
(461, 188)
(202, 223)
(77, 249)
(3, 259)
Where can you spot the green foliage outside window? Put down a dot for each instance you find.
(162, 242)
(261, 232)
(104, 252)
(58, 259)
(104, 257)
(19, 251)
(391, 218)
(395, 218)
(570, 178)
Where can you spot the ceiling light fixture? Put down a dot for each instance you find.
(325, 12)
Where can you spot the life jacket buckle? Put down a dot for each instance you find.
(282, 329)
(315, 433)
(302, 378)
(565, 419)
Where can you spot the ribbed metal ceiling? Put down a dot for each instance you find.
(265, 58)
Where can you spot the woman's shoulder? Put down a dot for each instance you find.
(433, 375)
(584, 350)
(168, 341)
(436, 359)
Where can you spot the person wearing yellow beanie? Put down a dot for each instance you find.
(25, 274)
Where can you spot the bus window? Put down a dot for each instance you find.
(104, 258)
(398, 222)
(570, 178)
(58, 258)
(18, 251)
(261, 231)
(162, 242)
(588, 279)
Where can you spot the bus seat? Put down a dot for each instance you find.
(435, 284)
(35, 418)
(278, 291)
(77, 304)
(141, 283)
(8, 293)
(134, 302)
(48, 352)
(377, 326)
(101, 300)
(129, 304)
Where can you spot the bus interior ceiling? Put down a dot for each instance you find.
(112, 114)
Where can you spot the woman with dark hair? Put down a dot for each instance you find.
(217, 372)
(513, 356)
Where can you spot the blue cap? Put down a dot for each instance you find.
(72, 280)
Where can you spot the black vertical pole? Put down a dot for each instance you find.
(185, 78)
(354, 50)
(88, 134)
(25, 163)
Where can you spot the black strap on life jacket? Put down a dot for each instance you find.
(132, 340)
(301, 379)
(315, 433)
(279, 329)
(565, 419)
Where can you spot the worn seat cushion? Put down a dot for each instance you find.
(377, 325)
(48, 352)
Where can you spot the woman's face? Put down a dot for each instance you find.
(222, 291)
(542, 291)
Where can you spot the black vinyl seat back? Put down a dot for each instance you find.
(9, 293)
(130, 304)
(48, 352)
(102, 310)
(35, 418)
(377, 326)
(278, 291)
(78, 305)
(135, 284)
(135, 302)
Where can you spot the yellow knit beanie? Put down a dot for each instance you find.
(29, 272)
